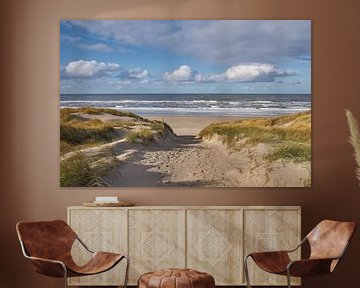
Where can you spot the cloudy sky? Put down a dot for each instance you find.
(212, 56)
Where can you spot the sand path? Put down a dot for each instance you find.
(188, 161)
(184, 161)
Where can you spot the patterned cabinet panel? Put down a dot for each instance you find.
(214, 244)
(156, 240)
(101, 230)
(210, 239)
(267, 230)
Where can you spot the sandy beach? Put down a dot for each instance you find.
(192, 125)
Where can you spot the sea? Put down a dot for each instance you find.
(243, 105)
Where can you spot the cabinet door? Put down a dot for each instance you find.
(271, 230)
(156, 240)
(214, 244)
(101, 230)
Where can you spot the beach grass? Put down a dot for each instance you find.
(298, 152)
(67, 112)
(79, 132)
(86, 171)
(75, 134)
(160, 127)
(143, 136)
(290, 135)
(77, 172)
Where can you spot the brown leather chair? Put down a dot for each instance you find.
(48, 245)
(328, 242)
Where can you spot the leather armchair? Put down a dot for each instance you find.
(48, 245)
(328, 242)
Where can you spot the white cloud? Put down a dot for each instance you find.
(256, 72)
(88, 69)
(183, 74)
(253, 72)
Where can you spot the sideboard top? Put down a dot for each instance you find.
(192, 207)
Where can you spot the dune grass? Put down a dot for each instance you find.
(160, 127)
(75, 172)
(68, 112)
(86, 171)
(298, 152)
(147, 136)
(76, 134)
(290, 135)
(143, 136)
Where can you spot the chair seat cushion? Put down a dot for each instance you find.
(176, 278)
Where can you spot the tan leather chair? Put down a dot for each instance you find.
(48, 245)
(328, 242)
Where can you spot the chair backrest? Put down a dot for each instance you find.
(329, 239)
(46, 239)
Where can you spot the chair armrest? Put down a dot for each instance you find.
(48, 267)
(309, 267)
(45, 260)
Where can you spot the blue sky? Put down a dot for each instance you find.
(197, 56)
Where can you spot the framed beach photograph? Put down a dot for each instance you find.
(185, 103)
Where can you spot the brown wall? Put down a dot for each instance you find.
(29, 110)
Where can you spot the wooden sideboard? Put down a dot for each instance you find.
(212, 239)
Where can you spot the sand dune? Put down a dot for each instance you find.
(186, 160)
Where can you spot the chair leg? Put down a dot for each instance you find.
(127, 271)
(246, 270)
(65, 276)
(288, 278)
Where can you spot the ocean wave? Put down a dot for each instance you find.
(267, 105)
(210, 111)
(185, 103)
